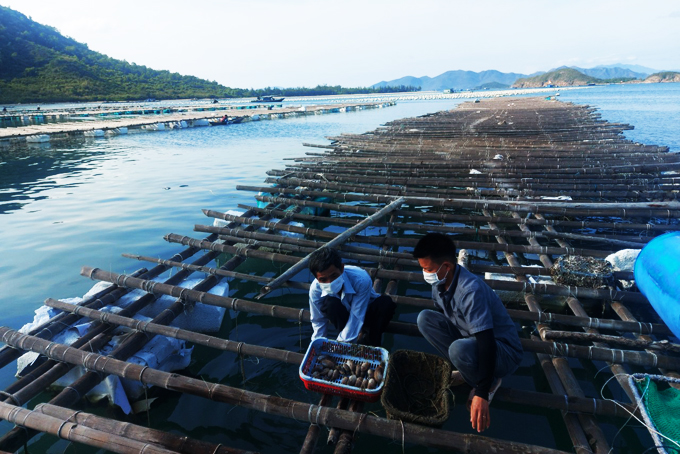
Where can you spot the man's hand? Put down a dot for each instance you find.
(479, 414)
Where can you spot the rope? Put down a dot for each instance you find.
(141, 375)
(309, 415)
(59, 429)
(74, 390)
(11, 396)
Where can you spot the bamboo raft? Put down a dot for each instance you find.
(516, 182)
(151, 118)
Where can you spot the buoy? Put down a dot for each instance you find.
(38, 138)
(656, 274)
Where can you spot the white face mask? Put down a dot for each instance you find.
(432, 278)
(333, 288)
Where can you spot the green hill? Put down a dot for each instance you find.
(664, 76)
(38, 64)
(563, 77)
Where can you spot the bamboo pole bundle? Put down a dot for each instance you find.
(580, 405)
(178, 333)
(109, 295)
(395, 430)
(524, 233)
(39, 379)
(608, 339)
(168, 440)
(554, 348)
(542, 317)
(619, 371)
(516, 190)
(212, 270)
(447, 217)
(488, 171)
(401, 241)
(670, 214)
(76, 432)
(89, 380)
(525, 287)
(559, 207)
(579, 428)
(51, 327)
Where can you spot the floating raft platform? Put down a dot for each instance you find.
(518, 183)
(94, 123)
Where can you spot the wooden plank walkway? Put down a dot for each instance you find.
(518, 183)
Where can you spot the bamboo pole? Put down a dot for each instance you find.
(56, 324)
(579, 405)
(168, 440)
(392, 241)
(592, 430)
(178, 333)
(619, 371)
(623, 210)
(554, 348)
(447, 217)
(312, 437)
(109, 295)
(542, 317)
(395, 430)
(76, 432)
(617, 340)
(343, 237)
(39, 379)
(213, 271)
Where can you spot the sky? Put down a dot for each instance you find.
(293, 43)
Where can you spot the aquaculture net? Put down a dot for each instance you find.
(416, 388)
(660, 405)
(579, 271)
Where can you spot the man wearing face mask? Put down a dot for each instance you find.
(471, 326)
(343, 295)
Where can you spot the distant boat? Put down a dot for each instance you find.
(230, 121)
(267, 99)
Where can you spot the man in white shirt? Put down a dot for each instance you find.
(344, 297)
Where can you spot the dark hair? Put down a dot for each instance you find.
(437, 247)
(322, 259)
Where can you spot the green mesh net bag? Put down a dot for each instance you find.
(660, 406)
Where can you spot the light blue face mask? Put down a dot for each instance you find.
(333, 288)
(433, 279)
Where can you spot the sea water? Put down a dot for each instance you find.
(71, 203)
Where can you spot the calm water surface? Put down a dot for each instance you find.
(73, 203)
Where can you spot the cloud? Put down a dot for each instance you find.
(674, 14)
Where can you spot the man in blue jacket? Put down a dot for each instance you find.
(343, 295)
(471, 326)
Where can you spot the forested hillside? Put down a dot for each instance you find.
(39, 64)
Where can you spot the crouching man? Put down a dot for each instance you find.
(471, 326)
(344, 297)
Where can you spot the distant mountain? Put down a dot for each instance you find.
(611, 72)
(457, 80)
(563, 77)
(464, 80)
(636, 68)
